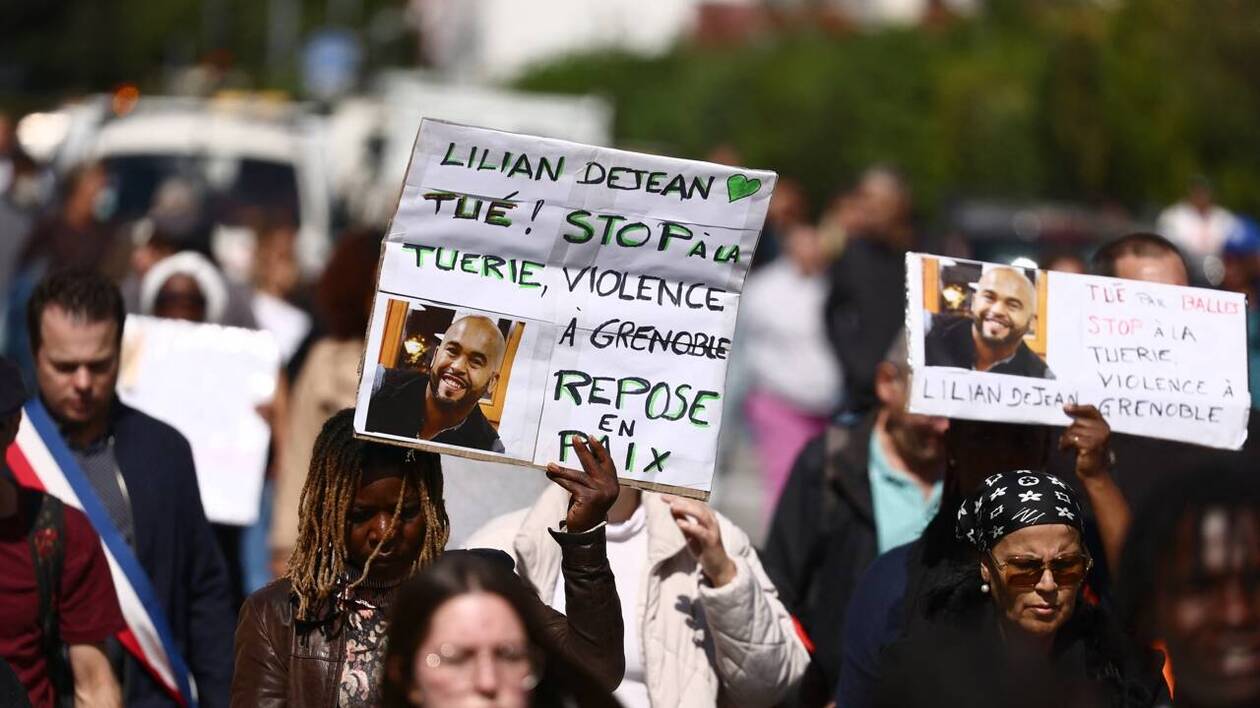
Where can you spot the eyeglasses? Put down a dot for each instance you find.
(511, 662)
(1022, 572)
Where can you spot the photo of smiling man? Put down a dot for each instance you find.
(990, 337)
(440, 400)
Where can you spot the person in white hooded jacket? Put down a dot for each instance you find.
(703, 623)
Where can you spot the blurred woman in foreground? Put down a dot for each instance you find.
(464, 632)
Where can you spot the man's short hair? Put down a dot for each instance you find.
(1142, 244)
(81, 293)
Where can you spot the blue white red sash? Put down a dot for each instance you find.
(40, 460)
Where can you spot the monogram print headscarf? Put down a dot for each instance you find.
(1009, 501)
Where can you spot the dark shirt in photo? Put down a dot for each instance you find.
(949, 343)
(398, 409)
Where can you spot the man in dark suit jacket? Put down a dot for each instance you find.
(142, 470)
(444, 406)
(992, 338)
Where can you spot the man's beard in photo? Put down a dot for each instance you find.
(1013, 337)
(470, 393)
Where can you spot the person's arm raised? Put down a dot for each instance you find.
(593, 491)
(591, 634)
(1090, 435)
(699, 526)
(757, 652)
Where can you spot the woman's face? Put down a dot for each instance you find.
(368, 520)
(1026, 589)
(475, 655)
(180, 298)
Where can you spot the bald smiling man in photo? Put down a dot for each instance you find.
(443, 406)
(1003, 310)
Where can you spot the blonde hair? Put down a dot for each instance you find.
(318, 565)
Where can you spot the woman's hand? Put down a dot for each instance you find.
(1090, 435)
(591, 494)
(704, 538)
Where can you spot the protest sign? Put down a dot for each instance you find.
(208, 382)
(534, 289)
(1009, 344)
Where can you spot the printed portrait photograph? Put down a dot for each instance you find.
(984, 317)
(442, 375)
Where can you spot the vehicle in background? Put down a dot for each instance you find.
(246, 155)
(373, 136)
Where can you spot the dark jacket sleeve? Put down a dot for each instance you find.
(793, 528)
(865, 310)
(874, 622)
(261, 677)
(209, 594)
(592, 634)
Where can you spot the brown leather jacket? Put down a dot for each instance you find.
(280, 665)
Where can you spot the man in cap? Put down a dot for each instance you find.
(55, 583)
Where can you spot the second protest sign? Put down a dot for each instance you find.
(1009, 344)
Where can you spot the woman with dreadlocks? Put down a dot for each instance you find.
(370, 516)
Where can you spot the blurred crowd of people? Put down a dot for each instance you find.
(897, 570)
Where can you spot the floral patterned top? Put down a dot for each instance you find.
(367, 613)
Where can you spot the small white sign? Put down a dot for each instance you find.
(208, 382)
(1007, 344)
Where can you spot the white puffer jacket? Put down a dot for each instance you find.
(702, 646)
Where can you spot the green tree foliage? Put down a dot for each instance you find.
(1088, 100)
(52, 49)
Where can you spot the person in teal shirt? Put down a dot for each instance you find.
(902, 500)
(854, 492)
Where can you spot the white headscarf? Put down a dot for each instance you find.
(197, 267)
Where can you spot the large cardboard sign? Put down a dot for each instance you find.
(533, 289)
(210, 383)
(1008, 344)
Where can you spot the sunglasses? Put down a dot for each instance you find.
(1023, 573)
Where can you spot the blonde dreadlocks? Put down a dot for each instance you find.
(318, 564)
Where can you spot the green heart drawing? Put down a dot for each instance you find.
(739, 186)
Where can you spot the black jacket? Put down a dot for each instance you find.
(178, 551)
(821, 539)
(950, 343)
(398, 409)
(865, 311)
(960, 658)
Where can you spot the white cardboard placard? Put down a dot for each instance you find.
(208, 382)
(1162, 361)
(612, 278)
